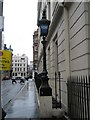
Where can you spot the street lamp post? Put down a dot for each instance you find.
(44, 89)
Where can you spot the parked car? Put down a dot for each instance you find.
(6, 78)
(18, 78)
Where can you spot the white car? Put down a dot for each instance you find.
(23, 77)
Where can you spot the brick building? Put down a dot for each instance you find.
(35, 50)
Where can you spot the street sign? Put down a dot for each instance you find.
(5, 59)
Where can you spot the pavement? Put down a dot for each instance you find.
(21, 101)
(24, 106)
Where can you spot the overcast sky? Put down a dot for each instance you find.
(19, 25)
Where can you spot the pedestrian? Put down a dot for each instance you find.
(13, 80)
(3, 114)
(22, 80)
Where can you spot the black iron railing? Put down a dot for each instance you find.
(79, 97)
(55, 102)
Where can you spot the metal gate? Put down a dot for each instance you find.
(56, 103)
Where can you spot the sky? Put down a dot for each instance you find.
(20, 22)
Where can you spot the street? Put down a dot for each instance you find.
(19, 100)
(9, 91)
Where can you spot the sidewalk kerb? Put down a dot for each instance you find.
(36, 93)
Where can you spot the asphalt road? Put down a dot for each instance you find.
(9, 91)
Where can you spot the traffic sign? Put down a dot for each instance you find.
(5, 59)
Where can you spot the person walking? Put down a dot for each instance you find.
(22, 80)
(13, 80)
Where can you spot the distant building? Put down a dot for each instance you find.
(31, 65)
(19, 65)
(31, 68)
(35, 50)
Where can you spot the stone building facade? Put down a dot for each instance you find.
(20, 66)
(68, 41)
